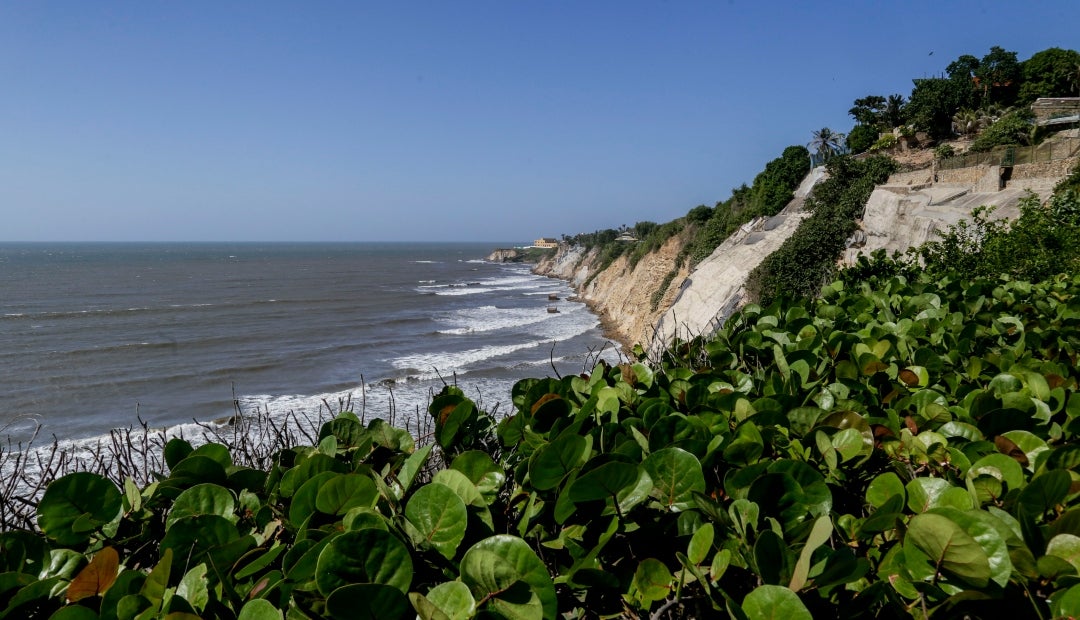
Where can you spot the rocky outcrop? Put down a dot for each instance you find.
(508, 255)
(622, 294)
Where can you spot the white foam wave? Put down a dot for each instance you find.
(491, 318)
(426, 366)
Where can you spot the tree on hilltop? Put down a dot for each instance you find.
(1050, 73)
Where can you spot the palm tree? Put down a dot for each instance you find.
(894, 111)
(966, 122)
(826, 142)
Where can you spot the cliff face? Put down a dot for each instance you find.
(621, 294)
(692, 303)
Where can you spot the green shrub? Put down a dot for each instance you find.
(944, 151)
(861, 138)
(1014, 128)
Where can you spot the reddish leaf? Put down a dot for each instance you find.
(96, 578)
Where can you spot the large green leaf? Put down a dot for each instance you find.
(202, 499)
(676, 475)
(439, 516)
(343, 492)
(492, 568)
(652, 582)
(75, 505)
(364, 556)
(454, 599)
(771, 602)
(949, 548)
(604, 482)
(550, 464)
(1066, 547)
(883, 487)
(259, 609)
(991, 534)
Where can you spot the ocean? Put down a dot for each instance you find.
(99, 336)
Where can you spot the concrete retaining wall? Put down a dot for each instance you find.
(1046, 169)
(914, 177)
(963, 176)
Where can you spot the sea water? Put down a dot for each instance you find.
(100, 336)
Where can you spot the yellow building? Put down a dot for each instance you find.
(545, 242)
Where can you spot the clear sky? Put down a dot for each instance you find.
(460, 120)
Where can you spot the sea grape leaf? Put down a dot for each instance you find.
(492, 566)
(1044, 492)
(201, 499)
(175, 451)
(304, 500)
(700, 544)
(258, 609)
(1066, 547)
(746, 445)
(550, 464)
(676, 474)
(360, 518)
(990, 533)
(96, 577)
(772, 602)
(454, 599)
(344, 492)
(819, 535)
(603, 482)
(364, 556)
(215, 452)
(440, 517)
(1001, 467)
(652, 581)
(193, 587)
(481, 469)
(190, 538)
(949, 548)
(883, 487)
(73, 506)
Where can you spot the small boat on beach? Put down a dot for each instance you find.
(553, 297)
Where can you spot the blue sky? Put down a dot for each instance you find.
(442, 120)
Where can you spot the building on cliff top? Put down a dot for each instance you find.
(545, 242)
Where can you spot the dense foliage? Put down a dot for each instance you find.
(861, 138)
(807, 259)
(771, 191)
(887, 451)
(1053, 72)
(1014, 128)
